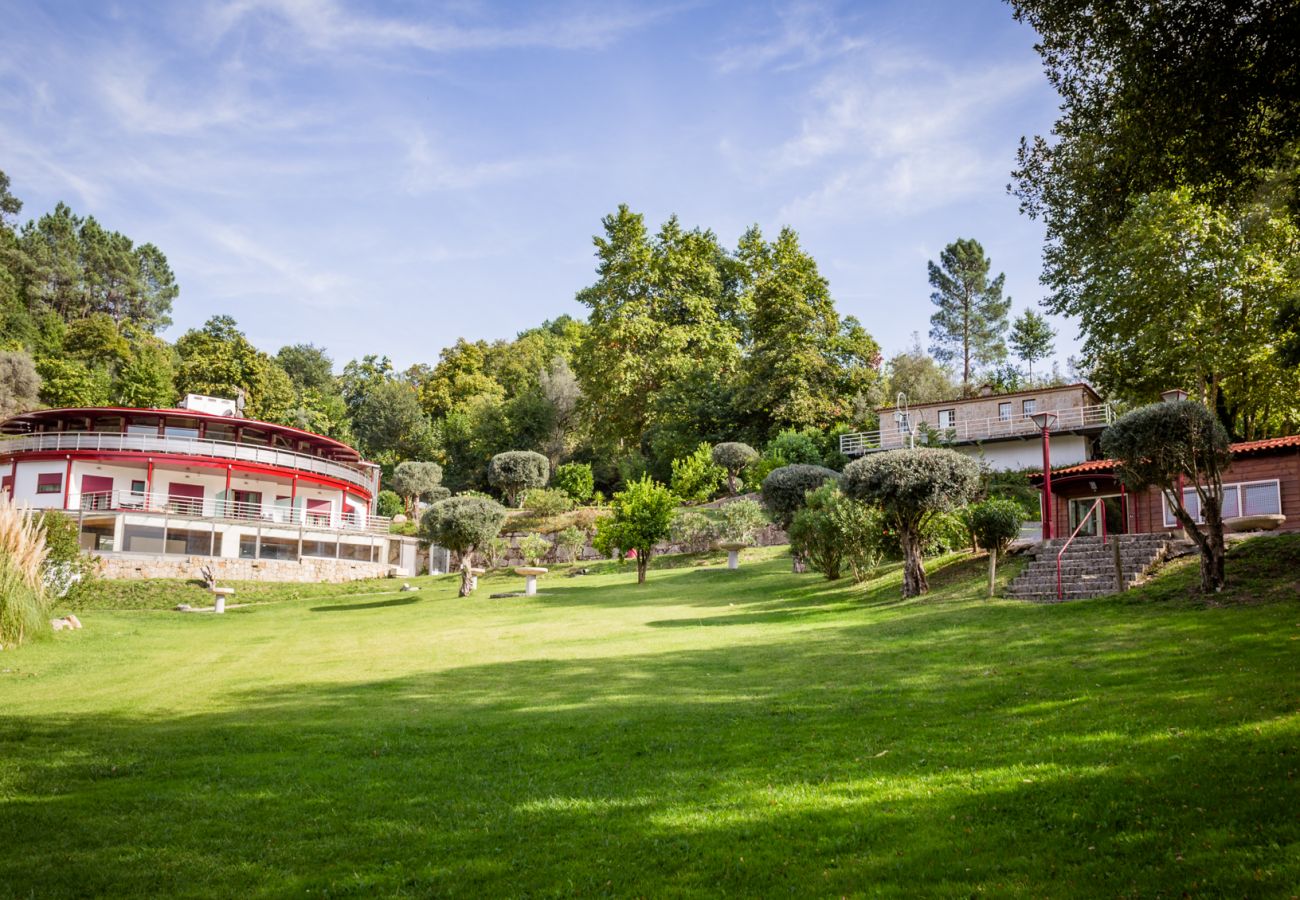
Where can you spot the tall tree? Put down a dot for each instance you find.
(219, 360)
(916, 374)
(804, 363)
(1032, 338)
(971, 318)
(20, 385)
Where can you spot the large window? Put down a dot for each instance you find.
(947, 418)
(1004, 411)
(1029, 407)
(1247, 498)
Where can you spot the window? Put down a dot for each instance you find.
(947, 418)
(1029, 407)
(1004, 411)
(49, 483)
(137, 487)
(7, 485)
(903, 426)
(1253, 498)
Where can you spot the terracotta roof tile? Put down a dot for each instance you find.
(1243, 448)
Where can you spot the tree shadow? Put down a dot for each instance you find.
(411, 597)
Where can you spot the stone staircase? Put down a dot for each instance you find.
(1088, 567)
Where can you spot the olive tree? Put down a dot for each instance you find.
(643, 515)
(413, 481)
(516, 471)
(785, 492)
(463, 525)
(1166, 444)
(912, 487)
(20, 385)
(994, 524)
(734, 457)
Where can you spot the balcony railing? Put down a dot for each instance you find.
(114, 442)
(930, 434)
(232, 511)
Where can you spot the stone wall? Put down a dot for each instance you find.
(768, 536)
(309, 569)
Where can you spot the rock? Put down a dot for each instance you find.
(183, 607)
(407, 588)
(76, 623)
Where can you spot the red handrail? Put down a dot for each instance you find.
(1083, 520)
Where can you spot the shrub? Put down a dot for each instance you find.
(598, 498)
(784, 493)
(733, 457)
(24, 600)
(575, 479)
(389, 504)
(697, 477)
(463, 525)
(570, 542)
(693, 530)
(642, 514)
(516, 471)
(994, 524)
(797, 447)
(911, 487)
(534, 548)
(67, 569)
(495, 552)
(741, 520)
(860, 529)
(547, 502)
(833, 531)
(1161, 444)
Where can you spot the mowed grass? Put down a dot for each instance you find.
(709, 733)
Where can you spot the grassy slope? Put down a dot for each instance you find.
(712, 732)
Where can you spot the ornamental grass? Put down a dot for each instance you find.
(24, 601)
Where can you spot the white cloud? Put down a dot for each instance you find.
(805, 34)
(326, 25)
(428, 169)
(251, 266)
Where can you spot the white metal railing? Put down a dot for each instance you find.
(232, 510)
(964, 431)
(112, 442)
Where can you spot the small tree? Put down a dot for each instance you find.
(813, 534)
(911, 487)
(534, 548)
(733, 457)
(742, 519)
(1164, 444)
(463, 525)
(1032, 339)
(576, 480)
(692, 530)
(643, 512)
(994, 524)
(784, 492)
(697, 476)
(516, 471)
(414, 480)
(19, 384)
(389, 504)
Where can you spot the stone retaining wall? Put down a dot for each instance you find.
(768, 536)
(308, 569)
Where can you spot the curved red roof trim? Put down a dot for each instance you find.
(1243, 448)
(12, 424)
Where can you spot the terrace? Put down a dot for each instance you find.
(220, 510)
(1070, 420)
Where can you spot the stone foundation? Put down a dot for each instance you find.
(308, 569)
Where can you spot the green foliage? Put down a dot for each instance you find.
(917, 375)
(1032, 338)
(792, 447)
(67, 570)
(785, 489)
(547, 502)
(389, 424)
(697, 477)
(24, 598)
(692, 530)
(971, 318)
(462, 524)
(218, 360)
(643, 513)
(814, 535)
(911, 487)
(20, 384)
(517, 471)
(734, 456)
(1015, 486)
(495, 552)
(389, 504)
(575, 479)
(147, 379)
(534, 548)
(570, 542)
(67, 382)
(414, 481)
(995, 523)
(741, 520)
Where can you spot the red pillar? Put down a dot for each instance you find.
(293, 499)
(67, 483)
(1048, 529)
(148, 487)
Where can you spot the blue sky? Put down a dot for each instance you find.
(385, 178)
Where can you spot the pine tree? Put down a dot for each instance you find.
(1032, 339)
(972, 313)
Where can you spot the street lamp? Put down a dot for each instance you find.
(1045, 421)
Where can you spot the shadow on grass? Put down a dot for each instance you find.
(407, 600)
(951, 751)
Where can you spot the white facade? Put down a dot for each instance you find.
(1010, 456)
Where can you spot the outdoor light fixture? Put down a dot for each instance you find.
(1045, 421)
(1175, 395)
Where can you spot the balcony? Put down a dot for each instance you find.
(212, 509)
(112, 442)
(1071, 420)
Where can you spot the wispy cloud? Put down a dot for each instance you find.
(428, 169)
(327, 25)
(805, 33)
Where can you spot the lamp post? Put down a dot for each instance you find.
(1045, 421)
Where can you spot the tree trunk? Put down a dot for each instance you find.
(731, 482)
(641, 560)
(466, 576)
(1210, 545)
(914, 583)
(993, 569)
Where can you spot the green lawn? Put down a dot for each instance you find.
(712, 732)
